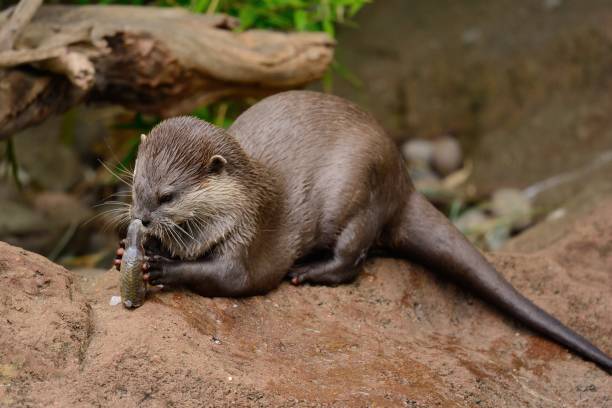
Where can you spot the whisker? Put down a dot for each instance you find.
(185, 232)
(124, 170)
(172, 234)
(124, 193)
(115, 174)
(115, 221)
(112, 202)
(107, 212)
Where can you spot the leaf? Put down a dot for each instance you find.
(328, 27)
(11, 158)
(356, 6)
(247, 16)
(328, 81)
(300, 20)
(199, 6)
(346, 74)
(203, 113)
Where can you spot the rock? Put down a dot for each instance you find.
(496, 237)
(552, 4)
(471, 221)
(556, 215)
(422, 175)
(484, 230)
(39, 222)
(22, 225)
(45, 326)
(446, 156)
(417, 151)
(563, 220)
(39, 149)
(429, 184)
(16, 218)
(398, 335)
(62, 208)
(471, 36)
(513, 207)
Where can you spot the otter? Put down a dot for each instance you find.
(303, 186)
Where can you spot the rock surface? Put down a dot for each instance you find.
(398, 336)
(45, 327)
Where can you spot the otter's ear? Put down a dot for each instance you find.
(216, 163)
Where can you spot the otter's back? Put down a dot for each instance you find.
(326, 151)
(298, 125)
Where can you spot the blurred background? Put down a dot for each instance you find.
(502, 110)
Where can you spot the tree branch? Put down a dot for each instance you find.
(164, 61)
(19, 18)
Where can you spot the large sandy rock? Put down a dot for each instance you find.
(45, 326)
(398, 336)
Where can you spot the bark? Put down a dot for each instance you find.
(163, 61)
(17, 18)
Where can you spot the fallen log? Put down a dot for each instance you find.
(163, 61)
(20, 16)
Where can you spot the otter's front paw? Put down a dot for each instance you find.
(298, 274)
(119, 255)
(158, 270)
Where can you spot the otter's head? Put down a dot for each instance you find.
(189, 185)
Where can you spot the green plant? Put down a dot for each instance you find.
(11, 168)
(295, 15)
(298, 15)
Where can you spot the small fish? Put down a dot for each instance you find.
(133, 287)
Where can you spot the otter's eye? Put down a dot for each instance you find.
(165, 198)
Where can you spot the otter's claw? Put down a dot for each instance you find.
(119, 254)
(156, 270)
(297, 275)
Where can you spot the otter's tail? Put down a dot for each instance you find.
(426, 235)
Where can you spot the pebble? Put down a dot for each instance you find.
(114, 300)
(496, 237)
(513, 206)
(471, 36)
(424, 179)
(471, 220)
(417, 151)
(552, 4)
(556, 215)
(422, 174)
(447, 156)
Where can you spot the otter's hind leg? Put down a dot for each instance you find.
(349, 252)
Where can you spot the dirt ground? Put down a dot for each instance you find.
(397, 337)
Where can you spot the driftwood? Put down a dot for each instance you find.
(163, 61)
(20, 16)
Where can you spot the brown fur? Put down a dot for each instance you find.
(307, 185)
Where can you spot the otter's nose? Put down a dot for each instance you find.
(145, 221)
